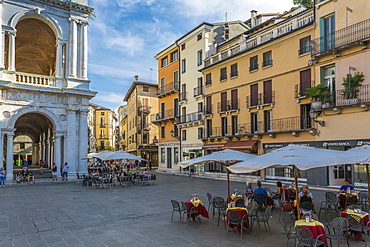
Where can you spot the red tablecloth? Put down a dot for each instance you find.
(343, 200)
(201, 209)
(286, 194)
(316, 231)
(242, 212)
(366, 220)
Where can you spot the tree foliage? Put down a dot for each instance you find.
(305, 3)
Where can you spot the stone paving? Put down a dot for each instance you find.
(68, 214)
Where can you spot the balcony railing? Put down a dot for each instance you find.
(37, 80)
(268, 98)
(253, 100)
(262, 37)
(102, 125)
(169, 114)
(300, 90)
(182, 96)
(342, 39)
(198, 91)
(145, 109)
(228, 105)
(191, 117)
(168, 89)
(208, 109)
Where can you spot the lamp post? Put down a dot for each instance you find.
(313, 115)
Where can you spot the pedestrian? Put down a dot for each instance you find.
(54, 170)
(65, 171)
(2, 177)
(41, 167)
(150, 165)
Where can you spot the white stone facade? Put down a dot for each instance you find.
(50, 107)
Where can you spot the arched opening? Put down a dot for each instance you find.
(35, 47)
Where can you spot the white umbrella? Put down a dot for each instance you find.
(225, 157)
(121, 155)
(102, 155)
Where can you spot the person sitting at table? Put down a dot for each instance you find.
(248, 192)
(95, 173)
(145, 172)
(279, 191)
(306, 202)
(258, 192)
(18, 177)
(346, 187)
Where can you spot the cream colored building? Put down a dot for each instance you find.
(122, 124)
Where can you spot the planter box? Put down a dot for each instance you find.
(316, 104)
(351, 101)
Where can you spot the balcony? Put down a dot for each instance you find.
(146, 126)
(279, 29)
(163, 116)
(182, 96)
(337, 99)
(300, 89)
(36, 80)
(355, 35)
(228, 106)
(260, 99)
(103, 137)
(145, 109)
(208, 110)
(198, 91)
(168, 89)
(102, 125)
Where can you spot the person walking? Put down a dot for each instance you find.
(54, 170)
(65, 171)
(150, 165)
(2, 177)
(41, 167)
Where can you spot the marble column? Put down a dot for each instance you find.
(73, 49)
(9, 156)
(2, 38)
(57, 151)
(1, 149)
(59, 60)
(11, 51)
(83, 143)
(34, 153)
(43, 150)
(84, 51)
(71, 153)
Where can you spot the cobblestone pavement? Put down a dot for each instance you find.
(68, 214)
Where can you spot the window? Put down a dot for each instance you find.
(163, 132)
(199, 57)
(162, 110)
(305, 116)
(234, 125)
(234, 100)
(253, 63)
(176, 107)
(102, 122)
(102, 147)
(164, 62)
(267, 92)
(183, 135)
(267, 59)
(208, 108)
(176, 154)
(304, 45)
(183, 47)
(102, 134)
(200, 133)
(254, 95)
(305, 82)
(328, 75)
(209, 128)
(146, 139)
(327, 32)
(22, 145)
(102, 113)
(224, 126)
(208, 79)
(254, 121)
(199, 37)
(174, 56)
(176, 76)
(234, 70)
(223, 102)
(267, 120)
(183, 66)
(163, 155)
(145, 89)
(223, 74)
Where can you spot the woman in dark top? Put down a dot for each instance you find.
(279, 191)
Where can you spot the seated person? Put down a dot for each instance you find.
(300, 194)
(145, 172)
(291, 193)
(24, 176)
(30, 177)
(346, 187)
(95, 173)
(259, 191)
(306, 202)
(279, 191)
(18, 177)
(248, 191)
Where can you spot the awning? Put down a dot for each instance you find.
(214, 146)
(240, 144)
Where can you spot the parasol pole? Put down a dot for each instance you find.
(228, 182)
(368, 182)
(296, 191)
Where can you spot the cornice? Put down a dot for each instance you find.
(68, 5)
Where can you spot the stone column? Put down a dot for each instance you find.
(9, 156)
(57, 151)
(43, 150)
(34, 153)
(2, 37)
(71, 153)
(84, 51)
(83, 143)
(11, 51)
(1, 149)
(73, 48)
(59, 61)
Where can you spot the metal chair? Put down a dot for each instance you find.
(353, 207)
(210, 201)
(330, 215)
(192, 213)
(313, 216)
(290, 232)
(331, 202)
(340, 230)
(363, 197)
(357, 224)
(282, 209)
(233, 220)
(305, 237)
(351, 200)
(260, 199)
(239, 203)
(262, 217)
(364, 207)
(219, 204)
(175, 208)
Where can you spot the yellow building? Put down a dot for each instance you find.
(142, 135)
(255, 86)
(122, 125)
(104, 126)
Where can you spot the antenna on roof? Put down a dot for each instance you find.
(225, 16)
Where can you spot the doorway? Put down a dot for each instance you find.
(169, 158)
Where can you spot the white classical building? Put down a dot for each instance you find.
(44, 89)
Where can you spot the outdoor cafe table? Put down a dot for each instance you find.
(343, 198)
(198, 204)
(364, 216)
(242, 212)
(316, 227)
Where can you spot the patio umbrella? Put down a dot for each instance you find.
(296, 157)
(121, 155)
(102, 155)
(225, 157)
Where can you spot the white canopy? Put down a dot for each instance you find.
(362, 154)
(224, 157)
(117, 155)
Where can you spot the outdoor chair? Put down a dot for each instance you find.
(261, 200)
(210, 201)
(282, 209)
(80, 178)
(262, 217)
(96, 183)
(268, 190)
(240, 203)
(290, 232)
(306, 207)
(365, 207)
(351, 200)
(353, 207)
(175, 208)
(234, 219)
(219, 204)
(331, 202)
(191, 213)
(291, 194)
(313, 216)
(330, 215)
(363, 197)
(356, 224)
(338, 229)
(305, 237)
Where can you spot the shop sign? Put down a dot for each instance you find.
(361, 184)
(317, 144)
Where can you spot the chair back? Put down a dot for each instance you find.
(175, 205)
(352, 206)
(351, 200)
(304, 233)
(365, 207)
(239, 203)
(284, 226)
(233, 217)
(291, 193)
(260, 198)
(330, 214)
(331, 197)
(218, 202)
(306, 206)
(210, 199)
(340, 224)
(268, 190)
(313, 216)
(355, 220)
(268, 211)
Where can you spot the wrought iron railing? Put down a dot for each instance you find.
(169, 88)
(300, 90)
(341, 38)
(162, 115)
(253, 100)
(228, 105)
(208, 109)
(198, 91)
(268, 97)
(182, 96)
(191, 117)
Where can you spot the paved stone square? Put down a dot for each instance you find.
(68, 214)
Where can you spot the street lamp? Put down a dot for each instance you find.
(172, 133)
(313, 115)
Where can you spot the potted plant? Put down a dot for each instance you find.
(351, 85)
(318, 94)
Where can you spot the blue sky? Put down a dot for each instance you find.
(125, 36)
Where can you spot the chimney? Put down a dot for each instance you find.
(136, 77)
(253, 18)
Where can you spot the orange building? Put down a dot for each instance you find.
(168, 113)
